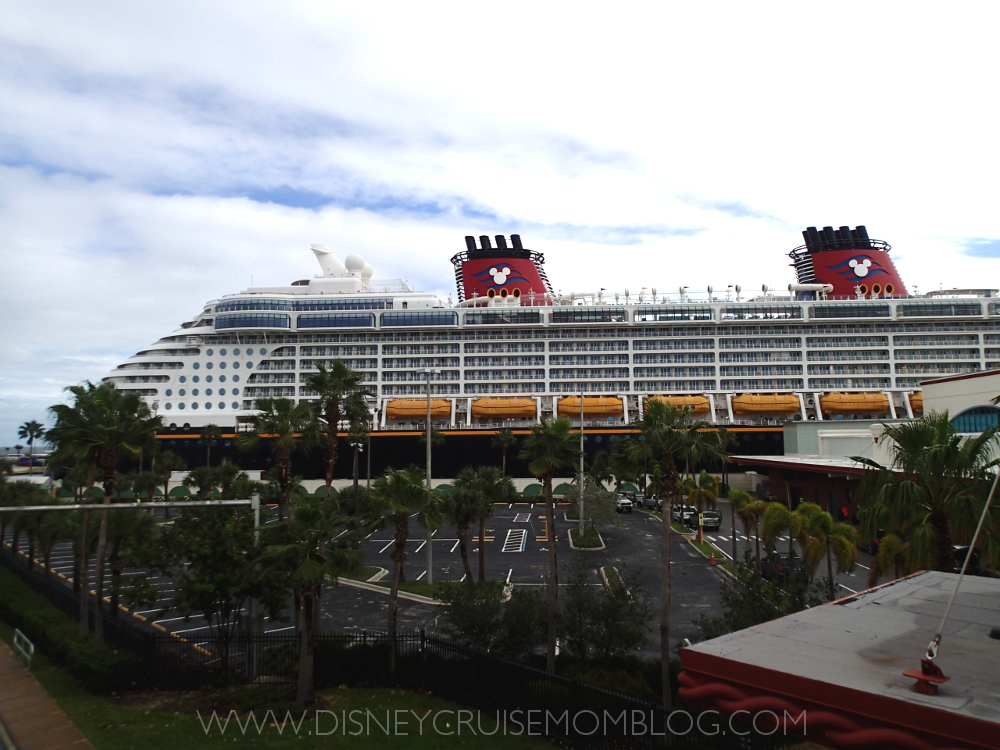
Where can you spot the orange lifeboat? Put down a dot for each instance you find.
(854, 403)
(773, 403)
(593, 406)
(416, 408)
(504, 408)
(697, 404)
(917, 402)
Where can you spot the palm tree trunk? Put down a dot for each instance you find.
(398, 555)
(756, 538)
(503, 461)
(31, 551)
(116, 580)
(111, 479)
(463, 549)
(482, 549)
(16, 543)
(305, 686)
(553, 592)
(48, 560)
(285, 482)
(668, 472)
(944, 556)
(829, 568)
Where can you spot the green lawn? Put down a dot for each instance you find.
(614, 578)
(167, 721)
(420, 587)
(365, 573)
(588, 540)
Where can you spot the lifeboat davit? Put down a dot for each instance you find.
(854, 403)
(773, 403)
(504, 408)
(696, 404)
(917, 402)
(416, 408)
(593, 406)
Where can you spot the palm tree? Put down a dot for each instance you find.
(778, 520)
(229, 477)
(668, 438)
(395, 497)
(102, 423)
(166, 464)
(314, 548)
(288, 426)
(203, 480)
(145, 484)
(462, 506)
(54, 528)
(933, 490)
(750, 515)
(489, 486)
(821, 537)
(738, 499)
(703, 495)
(209, 433)
(548, 449)
(622, 463)
(503, 440)
(127, 530)
(340, 396)
(891, 555)
(31, 431)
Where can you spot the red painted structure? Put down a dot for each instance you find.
(505, 272)
(849, 260)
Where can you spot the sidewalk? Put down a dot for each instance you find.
(29, 714)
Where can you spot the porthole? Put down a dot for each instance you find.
(194, 404)
(236, 378)
(249, 365)
(208, 391)
(222, 378)
(180, 405)
(183, 379)
(209, 352)
(208, 365)
(222, 405)
(208, 405)
(236, 365)
(236, 391)
(222, 352)
(195, 365)
(168, 406)
(222, 365)
(195, 378)
(236, 352)
(208, 378)
(194, 392)
(263, 351)
(168, 392)
(181, 392)
(236, 405)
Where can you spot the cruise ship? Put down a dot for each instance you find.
(845, 339)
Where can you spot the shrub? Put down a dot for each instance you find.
(55, 634)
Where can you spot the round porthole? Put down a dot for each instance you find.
(222, 365)
(236, 405)
(181, 392)
(168, 392)
(183, 379)
(236, 391)
(180, 405)
(222, 352)
(236, 378)
(208, 378)
(236, 365)
(209, 352)
(194, 404)
(195, 366)
(236, 352)
(208, 365)
(208, 391)
(263, 351)
(168, 406)
(222, 405)
(222, 378)
(194, 392)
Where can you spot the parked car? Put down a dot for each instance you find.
(623, 504)
(680, 512)
(872, 547)
(712, 520)
(653, 503)
(782, 568)
(961, 551)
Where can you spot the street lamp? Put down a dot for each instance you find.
(428, 371)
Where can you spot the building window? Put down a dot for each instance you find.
(674, 312)
(343, 304)
(401, 319)
(252, 304)
(761, 312)
(251, 320)
(977, 419)
(850, 310)
(337, 320)
(501, 317)
(927, 309)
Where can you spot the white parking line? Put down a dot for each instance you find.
(515, 540)
(192, 630)
(522, 518)
(278, 630)
(509, 572)
(169, 619)
(862, 566)
(845, 587)
(391, 542)
(454, 547)
(421, 546)
(421, 575)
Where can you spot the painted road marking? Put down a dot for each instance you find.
(514, 541)
(421, 575)
(522, 518)
(845, 587)
(421, 546)
(488, 538)
(509, 573)
(391, 542)
(454, 547)
(544, 537)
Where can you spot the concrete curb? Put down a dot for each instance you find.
(569, 535)
(384, 590)
(378, 575)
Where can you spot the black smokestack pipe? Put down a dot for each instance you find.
(845, 234)
(814, 240)
(501, 242)
(515, 240)
(854, 237)
(828, 236)
(484, 240)
(470, 243)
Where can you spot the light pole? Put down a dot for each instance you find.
(428, 371)
(581, 467)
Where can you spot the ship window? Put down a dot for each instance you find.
(182, 378)
(208, 365)
(208, 405)
(850, 310)
(168, 392)
(222, 405)
(263, 351)
(196, 365)
(253, 320)
(917, 309)
(235, 404)
(236, 365)
(761, 312)
(236, 378)
(194, 392)
(168, 405)
(236, 391)
(337, 320)
(208, 391)
(254, 304)
(222, 352)
(181, 404)
(249, 365)
(673, 312)
(209, 352)
(194, 404)
(222, 365)
(195, 379)
(222, 378)
(590, 315)
(236, 352)
(182, 392)
(419, 319)
(495, 317)
(208, 378)
(343, 304)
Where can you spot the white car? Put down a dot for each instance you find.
(623, 504)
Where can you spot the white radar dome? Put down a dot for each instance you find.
(368, 272)
(355, 264)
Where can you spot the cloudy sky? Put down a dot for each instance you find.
(154, 156)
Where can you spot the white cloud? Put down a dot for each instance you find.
(140, 141)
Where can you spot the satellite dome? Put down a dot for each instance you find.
(367, 273)
(355, 264)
